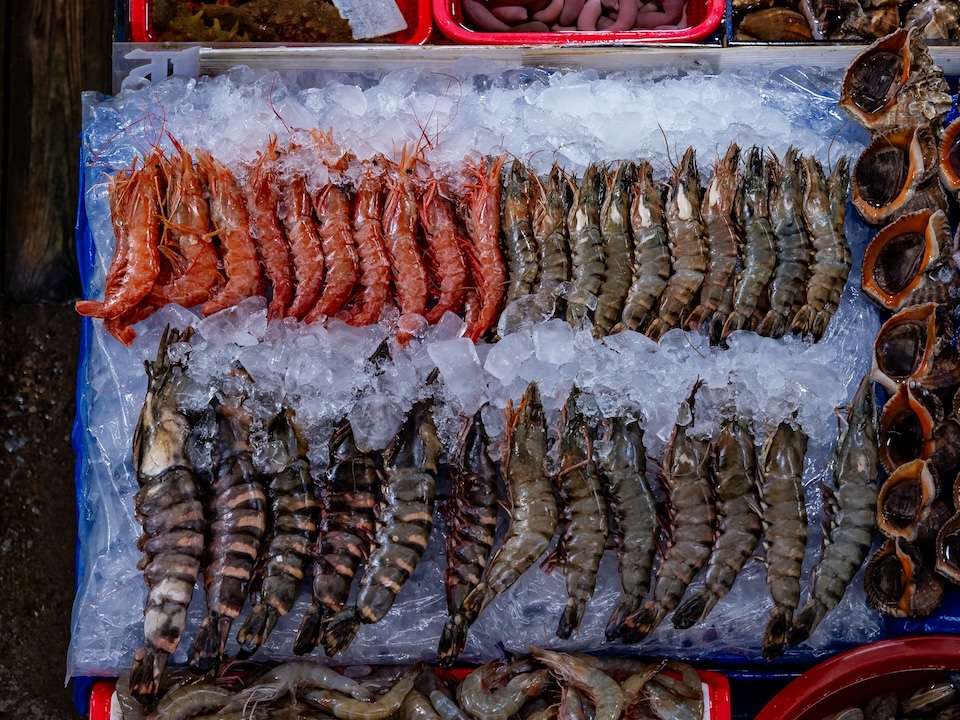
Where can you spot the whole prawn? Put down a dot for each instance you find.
(853, 514)
(551, 203)
(693, 527)
(332, 207)
(651, 263)
(401, 225)
(586, 245)
(784, 529)
(735, 474)
(688, 250)
(824, 209)
(303, 240)
(618, 249)
(583, 674)
(623, 466)
(348, 521)
(533, 519)
(793, 243)
(478, 698)
(519, 241)
(583, 517)
(721, 233)
(291, 532)
(405, 518)
(760, 250)
(482, 217)
(445, 246)
(169, 510)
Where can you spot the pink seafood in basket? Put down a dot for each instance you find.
(568, 15)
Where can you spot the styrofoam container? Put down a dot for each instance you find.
(416, 13)
(703, 19)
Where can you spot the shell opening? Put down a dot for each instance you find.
(898, 262)
(882, 175)
(876, 81)
(901, 350)
(906, 431)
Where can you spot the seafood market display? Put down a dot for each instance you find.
(568, 15)
(651, 687)
(459, 366)
(910, 271)
(939, 700)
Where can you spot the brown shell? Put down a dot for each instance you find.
(897, 583)
(935, 19)
(894, 83)
(948, 550)
(914, 346)
(945, 459)
(906, 430)
(950, 157)
(905, 498)
(775, 24)
(902, 264)
(867, 24)
(897, 174)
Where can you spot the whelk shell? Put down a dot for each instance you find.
(935, 19)
(775, 24)
(914, 346)
(906, 429)
(905, 499)
(897, 583)
(950, 157)
(948, 550)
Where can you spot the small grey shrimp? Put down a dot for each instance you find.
(693, 527)
(651, 259)
(350, 708)
(480, 702)
(585, 676)
(416, 706)
(293, 529)
(523, 256)
(853, 514)
(784, 529)
(618, 249)
(586, 246)
(293, 677)
(533, 519)
(191, 699)
(688, 248)
(583, 517)
(571, 704)
(793, 243)
(760, 250)
(722, 235)
(824, 209)
(405, 520)
(669, 705)
(735, 479)
(551, 203)
(623, 465)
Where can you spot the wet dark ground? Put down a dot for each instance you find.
(39, 346)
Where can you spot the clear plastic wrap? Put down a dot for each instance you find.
(324, 373)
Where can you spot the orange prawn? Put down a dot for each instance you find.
(304, 242)
(400, 226)
(332, 206)
(439, 222)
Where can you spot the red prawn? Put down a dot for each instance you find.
(400, 225)
(439, 221)
(303, 238)
(482, 214)
(332, 206)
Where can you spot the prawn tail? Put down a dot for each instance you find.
(772, 325)
(820, 323)
(698, 317)
(775, 636)
(207, 648)
(255, 629)
(571, 618)
(803, 320)
(736, 321)
(311, 628)
(806, 621)
(453, 639)
(145, 673)
(641, 623)
(693, 609)
(625, 606)
(341, 630)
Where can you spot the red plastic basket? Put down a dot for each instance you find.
(703, 18)
(853, 677)
(416, 13)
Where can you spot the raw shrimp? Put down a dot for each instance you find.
(521, 245)
(583, 517)
(291, 532)
(618, 249)
(824, 208)
(721, 234)
(439, 222)
(623, 465)
(533, 519)
(651, 263)
(688, 250)
(347, 524)
(482, 216)
(596, 684)
(586, 245)
(793, 244)
(416, 706)
(191, 699)
(303, 240)
(116, 191)
(263, 195)
(735, 475)
(374, 264)
(294, 677)
(551, 203)
(169, 510)
(405, 519)
(400, 228)
(784, 529)
(852, 512)
(332, 206)
(477, 699)
(345, 708)
(760, 249)
(693, 527)
(229, 218)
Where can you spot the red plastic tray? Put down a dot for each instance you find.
(717, 694)
(853, 677)
(703, 18)
(416, 13)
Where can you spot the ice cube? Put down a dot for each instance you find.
(553, 342)
(506, 357)
(461, 371)
(375, 421)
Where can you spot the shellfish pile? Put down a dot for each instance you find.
(901, 182)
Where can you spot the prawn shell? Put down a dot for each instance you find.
(897, 260)
(905, 498)
(906, 430)
(897, 174)
(895, 83)
(950, 157)
(948, 550)
(898, 584)
(913, 345)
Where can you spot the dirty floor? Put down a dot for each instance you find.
(39, 345)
